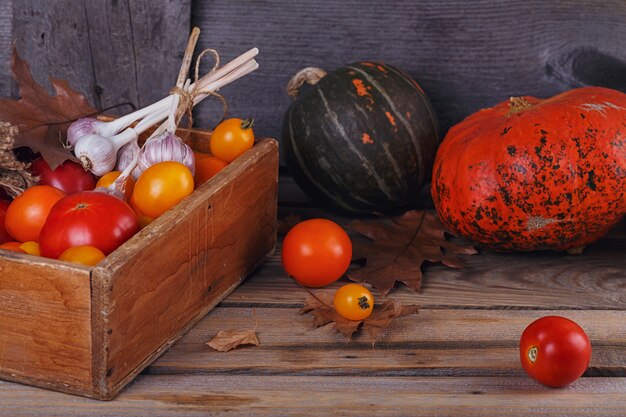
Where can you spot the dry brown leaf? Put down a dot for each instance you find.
(397, 248)
(228, 340)
(321, 306)
(42, 119)
(286, 223)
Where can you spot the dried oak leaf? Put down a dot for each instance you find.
(42, 119)
(228, 340)
(397, 248)
(321, 306)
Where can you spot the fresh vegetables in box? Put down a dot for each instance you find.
(69, 209)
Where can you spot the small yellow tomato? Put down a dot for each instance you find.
(86, 255)
(161, 187)
(108, 179)
(354, 302)
(231, 138)
(31, 247)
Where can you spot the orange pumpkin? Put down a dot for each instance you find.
(531, 174)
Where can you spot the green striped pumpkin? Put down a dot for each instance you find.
(362, 139)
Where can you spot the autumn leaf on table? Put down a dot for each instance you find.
(397, 247)
(321, 306)
(228, 340)
(42, 119)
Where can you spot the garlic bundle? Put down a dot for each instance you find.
(166, 147)
(87, 136)
(126, 155)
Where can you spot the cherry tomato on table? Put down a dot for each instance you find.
(70, 176)
(85, 255)
(161, 187)
(88, 218)
(231, 138)
(316, 252)
(554, 351)
(27, 214)
(354, 302)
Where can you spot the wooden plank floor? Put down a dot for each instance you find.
(458, 356)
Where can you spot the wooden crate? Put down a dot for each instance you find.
(91, 330)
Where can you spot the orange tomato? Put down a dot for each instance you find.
(12, 246)
(161, 187)
(107, 179)
(353, 302)
(206, 167)
(231, 138)
(30, 247)
(316, 252)
(27, 214)
(86, 255)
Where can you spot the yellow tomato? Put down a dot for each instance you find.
(86, 255)
(109, 178)
(30, 247)
(231, 138)
(161, 187)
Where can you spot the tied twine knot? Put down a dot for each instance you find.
(187, 95)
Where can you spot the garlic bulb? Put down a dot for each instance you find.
(96, 153)
(166, 147)
(81, 127)
(125, 157)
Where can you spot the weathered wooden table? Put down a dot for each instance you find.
(458, 356)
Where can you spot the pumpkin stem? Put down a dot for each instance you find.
(517, 104)
(309, 75)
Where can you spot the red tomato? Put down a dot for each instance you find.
(27, 214)
(316, 252)
(231, 138)
(12, 246)
(554, 351)
(206, 167)
(70, 176)
(4, 235)
(88, 218)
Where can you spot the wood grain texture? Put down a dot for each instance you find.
(112, 51)
(45, 316)
(201, 251)
(439, 342)
(544, 280)
(465, 55)
(237, 395)
(6, 41)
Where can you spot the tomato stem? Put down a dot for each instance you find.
(247, 123)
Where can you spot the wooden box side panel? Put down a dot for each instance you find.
(45, 323)
(189, 259)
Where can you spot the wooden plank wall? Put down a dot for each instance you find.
(111, 51)
(466, 55)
